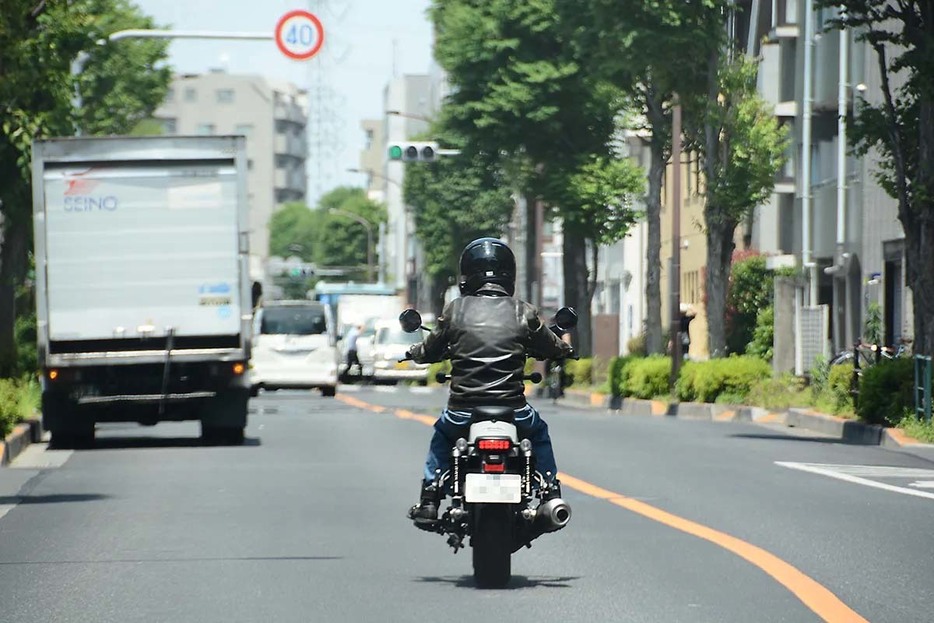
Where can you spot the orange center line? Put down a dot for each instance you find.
(811, 593)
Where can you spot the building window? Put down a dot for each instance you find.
(249, 164)
(169, 126)
(170, 95)
(245, 129)
(369, 139)
(205, 128)
(191, 94)
(225, 96)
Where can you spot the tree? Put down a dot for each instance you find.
(650, 50)
(455, 200)
(124, 81)
(341, 241)
(900, 130)
(520, 91)
(293, 232)
(742, 148)
(38, 41)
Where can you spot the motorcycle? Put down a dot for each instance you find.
(498, 499)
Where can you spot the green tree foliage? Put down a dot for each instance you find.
(650, 50)
(327, 236)
(38, 42)
(750, 290)
(455, 200)
(520, 91)
(900, 130)
(124, 81)
(293, 231)
(742, 147)
(342, 240)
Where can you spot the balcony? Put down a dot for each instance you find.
(287, 144)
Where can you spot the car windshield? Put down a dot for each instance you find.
(397, 336)
(293, 321)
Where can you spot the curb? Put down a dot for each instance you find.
(848, 431)
(19, 439)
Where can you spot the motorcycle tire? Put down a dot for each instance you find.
(492, 543)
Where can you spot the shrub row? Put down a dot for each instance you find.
(19, 399)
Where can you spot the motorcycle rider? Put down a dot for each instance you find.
(487, 334)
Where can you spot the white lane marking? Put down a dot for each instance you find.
(923, 484)
(385, 390)
(38, 456)
(828, 470)
(6, 508)
(349, 388)
(422, 390)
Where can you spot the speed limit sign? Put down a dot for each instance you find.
(299, 35)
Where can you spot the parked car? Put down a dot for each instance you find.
(389, 345)
(295, 347)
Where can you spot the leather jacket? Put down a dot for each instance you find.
(487, 337)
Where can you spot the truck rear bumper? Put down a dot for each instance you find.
(145, 398)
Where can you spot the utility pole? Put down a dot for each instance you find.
(675, 278)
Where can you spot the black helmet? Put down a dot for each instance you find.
(487, 260)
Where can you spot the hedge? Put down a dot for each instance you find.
(647, 377)
(727, 379)
(885, 393)
(19, 399)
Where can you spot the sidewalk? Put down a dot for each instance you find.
(846, 430)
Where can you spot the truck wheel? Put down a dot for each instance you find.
(70, 430)
(222, 435)
(329, 392)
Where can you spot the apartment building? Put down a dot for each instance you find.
(272, 116)
(827, 211)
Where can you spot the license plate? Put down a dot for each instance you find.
(402, 365)
(493, 488)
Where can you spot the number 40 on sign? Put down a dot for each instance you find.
(299, 35)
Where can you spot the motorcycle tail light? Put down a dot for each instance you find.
(494, 444)
(494, 468)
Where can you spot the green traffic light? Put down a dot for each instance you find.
(395, 153)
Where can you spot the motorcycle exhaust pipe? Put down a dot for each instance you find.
(552, 516)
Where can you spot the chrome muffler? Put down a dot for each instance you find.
(552, 515)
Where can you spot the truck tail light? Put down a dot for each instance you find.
(239, 368)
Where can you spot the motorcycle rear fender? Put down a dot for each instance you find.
(482, 430)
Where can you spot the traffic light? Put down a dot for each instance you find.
(414, 152)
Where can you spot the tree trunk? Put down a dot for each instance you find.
(13, 257)
(576, 276)
(653, 262)
(719, 256)
(919, 271)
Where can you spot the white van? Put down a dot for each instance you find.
(294, 347)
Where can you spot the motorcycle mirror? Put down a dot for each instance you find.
(566, 318)
(410, 320)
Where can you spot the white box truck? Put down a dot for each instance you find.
(143, 288)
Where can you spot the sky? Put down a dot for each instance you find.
(365, 42)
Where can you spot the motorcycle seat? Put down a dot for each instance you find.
(494, 414)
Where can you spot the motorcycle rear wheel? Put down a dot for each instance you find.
(492, 543)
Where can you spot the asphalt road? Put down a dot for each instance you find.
(673, 520)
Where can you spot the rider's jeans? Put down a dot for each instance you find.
(455, 424)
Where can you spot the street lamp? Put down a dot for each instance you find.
(369, 235)
(398, 113)
(376, 175)
(77, 65)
